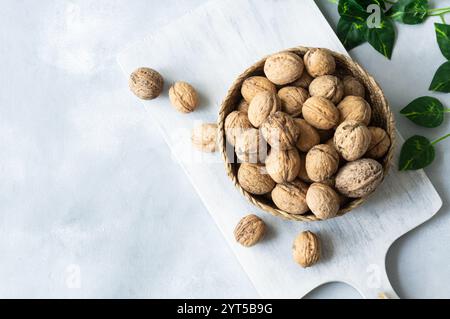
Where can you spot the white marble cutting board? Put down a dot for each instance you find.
(209, 48)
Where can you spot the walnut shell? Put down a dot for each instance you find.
(249, 230)
(292, 99)
(304, 81)
(306, 249)
(359, 178)
(355, 108)
(243, 106)
(255, 84)
(322, 200)
(330, 142)
(280, 131)
(250, 146)
(235, 124)
(319, 62)
(302, 174)
(322, 161)
(309, 136)
(379, 144)
(183, 97)
(263, 105)
(327, 86)
(291, 197)
(283, 68)
(283, 166)
(146, 83)
(352, 139)
(320, 113)
(352, 86)
(254, 179)
(204, 137)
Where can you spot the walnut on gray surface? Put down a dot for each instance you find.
(309, 136)
(322, 162)
(146, 83)
(250, 230)
(251, 147)
(283, 166)
(291, 197)
(352, 139)
(255, 84)
(306, 249)
(327, 86)
(280, 131)
(355, 108)
(320, 113)
(359, 178)
(379, 144)
(262, 105)
(322, 200)
(292, 99)
(236, 123)
(254, 179)
(319, 62)
(283, 68)
(352, 86)
(204, 137)
(183, 97)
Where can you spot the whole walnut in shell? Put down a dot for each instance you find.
(292, 99)
(322, 200)
(204, 137)
(250, 146)
(236, 123)
(309, 136)
(306, 249)
(255, 84)
(359, 178)
(352, 139)
(327, 86)
(379, 144)
(322, 161)
(254, 179)
(291, 197)
(304, 81)
(302, 174)
(283, 68)
(243, 106)
(355, 108)
(320, 113)
(250, 230)
(263, 105)
(280, 131)
(283, 166)
(319, 62)
(146, 83)
(352, 86)
(183, 97)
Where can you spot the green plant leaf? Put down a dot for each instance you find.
(425, 111)
(383, 37)
(417, 152)
(443, 38)
(357, 9)
(351, 32)
(441, 80)
(410, 11)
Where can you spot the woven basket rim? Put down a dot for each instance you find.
(375, 91)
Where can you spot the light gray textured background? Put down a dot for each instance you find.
(87, 184)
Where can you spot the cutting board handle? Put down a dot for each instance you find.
(375, 284)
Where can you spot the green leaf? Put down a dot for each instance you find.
(410, 11)
(357, 9)
(383, 37)
(441, 80)
(443, 38)
(416, 153)
(351, 32)
(425, 111)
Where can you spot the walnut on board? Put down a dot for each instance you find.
(254, 179)
(283, 166)
(183, 97)
(250, 230)
(355, 108)
(280, 131)
(292, 99)
(352, 86)
(309, 136)
(236, 123)
(251, 147)
(255, 84)
(262, 105)
(322, 162)
(320, 113)
(283, 68)
(306, 249)
(352, 139)
(146, 83)
(322, 200)
(327, 86)
(291, 197)
(379, 144)
(204, 137)
(319, 62)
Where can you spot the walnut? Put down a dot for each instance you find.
(249, 230)
(306, 249)
(379, 144)
(235, 124)
(330, 142)
(280, 131)
(352, 139)
(250, 146)
(255, 84)
(243, 106)
(302, 174)
(319, 62)
(355, 108)
(309, 136)
(204, 137)
(327, 86)
(322, 161)
(291, 197)
(261, 106)
(183, 97)
(146, 83)
(320, 113)
(292, 99)
(322, 200)
(352, 86)
(304, 81)
(359, 178)
(283, 68)
(283, 166)
(254, 179)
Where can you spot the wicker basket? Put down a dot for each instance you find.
(381, 117)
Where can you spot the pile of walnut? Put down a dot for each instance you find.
(304, 135)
